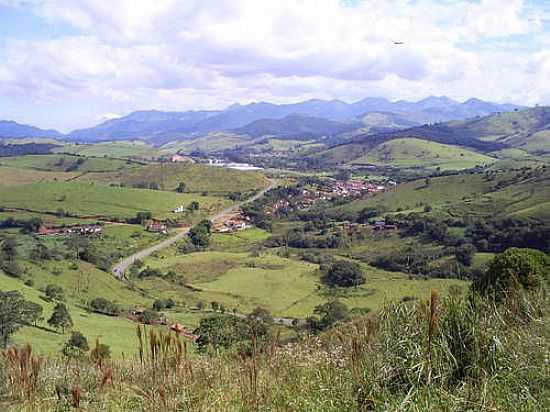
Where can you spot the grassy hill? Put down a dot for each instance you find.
(66, 163)
(89, 199)
(120, 149)
(409, 153)
(197, 177)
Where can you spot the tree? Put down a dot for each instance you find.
(8, 249)
(329, 314)
(344, 274)
(226, 332)
(200, 233)
(515, 269)
(182, 187)
(60, 317)
(13, 314)
(76, 244)
(102, 305)
(215, 306)
(262, 314)
(76, 346)
(465, 254)
(193, 206)
(142, 217)
(32, 312)
(55, 292)
(150, 316)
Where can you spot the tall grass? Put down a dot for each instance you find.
(448, 353)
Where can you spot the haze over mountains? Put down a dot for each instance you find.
(311, 118)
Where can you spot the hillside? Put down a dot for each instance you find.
(409, 153)
(296, 127)
(516, 134)
(13, 130)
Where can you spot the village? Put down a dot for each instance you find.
(329, 190)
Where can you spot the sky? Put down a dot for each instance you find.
(74, 63)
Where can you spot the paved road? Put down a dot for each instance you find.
(121, 267)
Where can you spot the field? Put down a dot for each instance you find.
(197, 178)
(66, 163)
(15, 176)
(95, 200)
(231, 275)
(213, 142)
(413, 153)
(121, 149)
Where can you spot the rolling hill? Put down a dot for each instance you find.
(516, 134)
(417, 152)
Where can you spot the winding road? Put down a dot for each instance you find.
(121, 267)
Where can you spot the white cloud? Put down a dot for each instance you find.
(208, 53)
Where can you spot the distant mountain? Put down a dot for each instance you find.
(159, 127)
(296, 126)
(13, 130)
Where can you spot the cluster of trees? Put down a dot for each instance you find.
(26, 225)
(231, 333)
(104, 306)
(297, 238)
(146, 185)
(200, 233)
(343, 273)
(8, 255)
(161, 304)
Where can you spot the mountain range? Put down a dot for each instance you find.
(311, 118)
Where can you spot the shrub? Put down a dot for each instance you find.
(344, 273)
(515, 269)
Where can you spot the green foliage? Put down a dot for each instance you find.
(161, 304)
(344, 273)
(465, 254)
(329, 314)
(60, 317)
(200, 233)
(104, 306)
(54, 292)
(229, 332)
(15, 312)
(513, 270)
(76, 346)
(182, 187)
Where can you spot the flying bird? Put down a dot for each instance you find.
(397, 42)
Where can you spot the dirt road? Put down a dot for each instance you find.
(121, 267)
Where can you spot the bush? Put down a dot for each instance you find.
(104, 306)
(344, 273)
(514, 269)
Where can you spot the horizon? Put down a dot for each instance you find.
(72, 65)
(145, 110)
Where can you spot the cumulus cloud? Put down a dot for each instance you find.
(179, 55)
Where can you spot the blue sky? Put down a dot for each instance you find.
(71, 64)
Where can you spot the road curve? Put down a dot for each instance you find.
(120, 268)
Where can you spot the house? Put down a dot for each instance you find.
(179, 209)
(156, 227)
(179, 158)
(84, 230)
(381, 225)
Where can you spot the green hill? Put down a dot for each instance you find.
(422, 153)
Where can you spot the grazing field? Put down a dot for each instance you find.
(95, 200)
(407, 153)
(213, 142)
(197, 178)
(14, 176)
(286, 287)
(66, 163)
(119, 149)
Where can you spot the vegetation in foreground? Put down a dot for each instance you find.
(483, 351)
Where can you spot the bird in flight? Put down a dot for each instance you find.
(397, 42)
